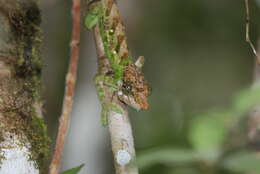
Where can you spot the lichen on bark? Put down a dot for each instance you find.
(20, 74)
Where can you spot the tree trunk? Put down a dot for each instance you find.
(24, 145)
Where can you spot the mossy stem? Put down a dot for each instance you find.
(119, 124)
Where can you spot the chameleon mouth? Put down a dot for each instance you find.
(138, 101)
(145, 106)
(142, 100)
(129, 100)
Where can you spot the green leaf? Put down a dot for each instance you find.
(246, 100)
(91, 20)
(244, 162)
(207, 134)
(93, 15)
(73, 170)
(172, 156)
(209, 131)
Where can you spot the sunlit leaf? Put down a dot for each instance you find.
(73, 170)
(243, 162)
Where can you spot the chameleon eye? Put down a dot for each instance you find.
(127, 87)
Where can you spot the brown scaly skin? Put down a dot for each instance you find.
(134, 83)
(132, 88)
(140, 89)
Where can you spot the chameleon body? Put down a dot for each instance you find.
(122, 75)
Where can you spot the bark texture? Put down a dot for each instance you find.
(70, 90)
(120, 129)
(22, 129)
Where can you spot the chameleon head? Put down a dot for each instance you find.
(135, 88)
(129, 100)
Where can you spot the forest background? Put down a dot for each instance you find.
(196, 60)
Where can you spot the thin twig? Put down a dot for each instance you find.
(248, 31)
(69, 91)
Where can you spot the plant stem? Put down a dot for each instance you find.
(248, 39)
(119, 124)
(69, 91)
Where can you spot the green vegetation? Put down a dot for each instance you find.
(212, 145)
(73, 170)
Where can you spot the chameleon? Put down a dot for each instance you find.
(118, 71)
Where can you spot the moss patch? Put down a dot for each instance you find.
(25, 21)
(22, 89)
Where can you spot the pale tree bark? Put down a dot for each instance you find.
(119, 125)
(24, 145)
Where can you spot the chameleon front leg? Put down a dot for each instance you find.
(99, 83)
(104, 83)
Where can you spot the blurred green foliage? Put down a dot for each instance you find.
(197, 60)
(211, 141)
